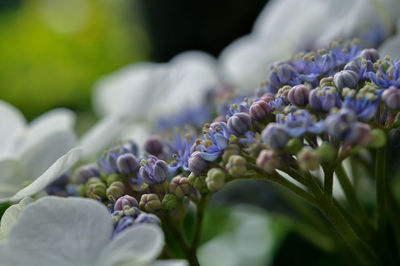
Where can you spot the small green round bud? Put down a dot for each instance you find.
(96, 191)
(179, 186)
(150, 203)
(231, 149)
(113, 178)
(169, 202)
(268, 160)
(82, 189)
(308, 159)
(115, 190)
(215, 179)
(378, 138)
(326, 152)
(237, 165)
(198, 182)
(93, 180)
(293, 146)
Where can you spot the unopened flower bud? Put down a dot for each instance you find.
(231, 149)
(298, 95)
(322, 99)
(353, 66)
(179, 186)
(115, 190)
(378, 138)
(239, 123)
(150, 203)
(154, 171)
(346, 79)
(85, 172)
(125, 201)
(237, 165)
(326, 152)
(285, 73)
(215, 179)
(268, 160)
(197, 164)
(364, 134)
(169, 202)
(391, 98)
(370, 54)
(154, 145)
(259, 110)
(113, 178)
(293, 146)
(267, 97)
(127, 164)
(327, 81)
(96, 191)
(308, 159)
(275, 136)
(198, 182)
(147, 218)
(93, 180)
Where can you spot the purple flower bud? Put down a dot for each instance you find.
(268, 160)
(286, 73)
(127, 164)
(370, 54)
(391, 98)
(298, 95)
(259, 110)
(147, 218)
(323, 99)
(353, 66)
(197, 164)
(267, 97)
(153, 171)
(154, 145)
(275, 136)
(239, 123)
(342, 125)
(85, 172)
(346, 79)
(125, 201)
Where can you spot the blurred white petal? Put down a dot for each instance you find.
(391, 47)
(140, 244)
(169, 263)
(11, 216)
(12, 177)
(59, 231)
(12, 124)
(58, 168)
(103, 134)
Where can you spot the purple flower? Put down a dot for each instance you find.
(298, 122)
(388, 74)
(324, 99)
(364, 103)
(107, 162)
(342, 125)
(153, 171)
(275, 136)
(180, 149)
(216, 139)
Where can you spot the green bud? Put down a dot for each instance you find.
(231, 149)
(378, 138)
(308, 159)
(293, 146)
(180, 186)
(93, 180)
(113, 178)
(169, 202)
(150, 203)
(115, 190)
(198, 182)
(237, 165)
(326, 152)
(96, 191)
(215, 179)
(82, 189)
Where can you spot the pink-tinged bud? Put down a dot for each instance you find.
(219, 119)
(391, 98)
(268, 160)
(267, 97)
(125, 201)
(298, 95)
(180, 186)
(259, 110)
(364, 134)
(308, 159)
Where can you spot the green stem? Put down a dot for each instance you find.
(380, 179)
(328, 182)
(201, 206)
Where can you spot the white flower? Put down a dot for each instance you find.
(11, 215)
(41, 149)
(77, 231)
(392, 46)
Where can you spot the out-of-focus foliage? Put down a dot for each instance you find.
(53, 50)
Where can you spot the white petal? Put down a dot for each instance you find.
(188, 76)
(11, 216)
(391, 47)
(57, 120)
(59, 231)
(12, 177)
(126, 91)
(43, 153)
(138, 132)
(12, 124)
(140, 244)
(59, 167)
(169, 263)
(103, 134)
